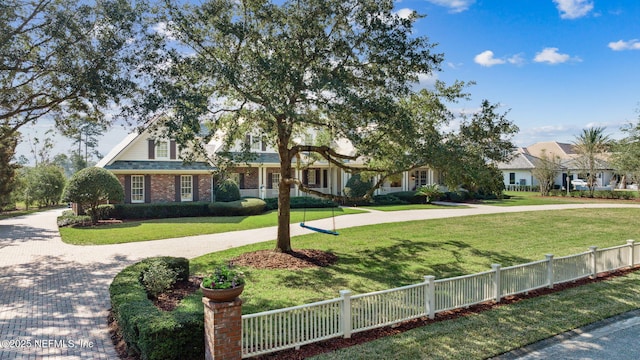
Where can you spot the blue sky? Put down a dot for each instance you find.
(558, 66)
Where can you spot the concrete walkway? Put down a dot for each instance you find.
(54, 297)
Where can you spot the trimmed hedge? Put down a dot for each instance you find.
(408, 196)
(161, 210)
(242, 207)
(301, 202)
(150, 333)
(388, 199)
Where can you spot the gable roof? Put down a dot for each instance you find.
(562, 150)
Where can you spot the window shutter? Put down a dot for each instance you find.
(178, 196)
(305, 177)
(325, 178)
(241, 185)
(127, 189)
(196, 196)
(152, 149)
(172, 150)
(270, 181)
(264, 143)
(147, 188)
(247, 140)
(318, 179)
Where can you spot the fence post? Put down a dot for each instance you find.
(346, 313)
(496, 281)
(594, 262)
(430, 296)
(222, 329)
(632, 260)
(550, 270)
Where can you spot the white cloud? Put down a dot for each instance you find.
(625, 45)
(404, 13)
(516, 59)
(552, 56)
(456, 6)
(573, 9)
(162, 29)
(486, 58)
(425, 81)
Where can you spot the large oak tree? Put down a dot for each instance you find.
(346, 68)
(60, 59)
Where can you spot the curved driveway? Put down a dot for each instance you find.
(54, 297)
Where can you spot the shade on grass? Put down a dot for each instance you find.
(384, 256)
(132, 231)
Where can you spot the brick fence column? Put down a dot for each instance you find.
(223, 329)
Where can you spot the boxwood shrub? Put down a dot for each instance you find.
(242, 207)
(149, 332)
(408, 196)
(301, 202)
(161, 210)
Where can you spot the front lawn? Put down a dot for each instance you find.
(132, 231)
(384, 256)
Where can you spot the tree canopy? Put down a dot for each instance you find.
(347, 68)
(91, 187)
(626, 153)
(590, 145)
(61, 58)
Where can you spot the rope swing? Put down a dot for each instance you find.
(333, 215)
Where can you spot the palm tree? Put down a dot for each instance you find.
(590, 145)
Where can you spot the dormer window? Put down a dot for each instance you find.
(255, 142)
(162, 149)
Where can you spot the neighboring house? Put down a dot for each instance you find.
(520, 168)
(518, 173)
(151, 170)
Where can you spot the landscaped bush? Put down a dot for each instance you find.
(69, 218)
(227, 190)
(158, 278)
(388, 200)
(149, 332)
(457, 196)
(409, 196)
(357, 187)
(160, 210)
(105, 211)
(301, 202)
(243, 207)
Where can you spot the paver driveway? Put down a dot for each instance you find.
(54, 297)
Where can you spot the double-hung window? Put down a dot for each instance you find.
(137, 188)
(275, 180)
(162, 149)
(186, 188)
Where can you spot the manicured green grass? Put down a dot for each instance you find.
(390, 255)
(506, 328)
(179, 227)
(518, 198)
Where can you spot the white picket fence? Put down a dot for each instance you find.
(276, 330)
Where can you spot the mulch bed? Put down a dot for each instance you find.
(266, 259)
(295, 260)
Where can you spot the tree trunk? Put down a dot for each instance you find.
(284, 200)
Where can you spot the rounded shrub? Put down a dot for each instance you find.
(243, 207)
(357, 187)
(227, 190)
